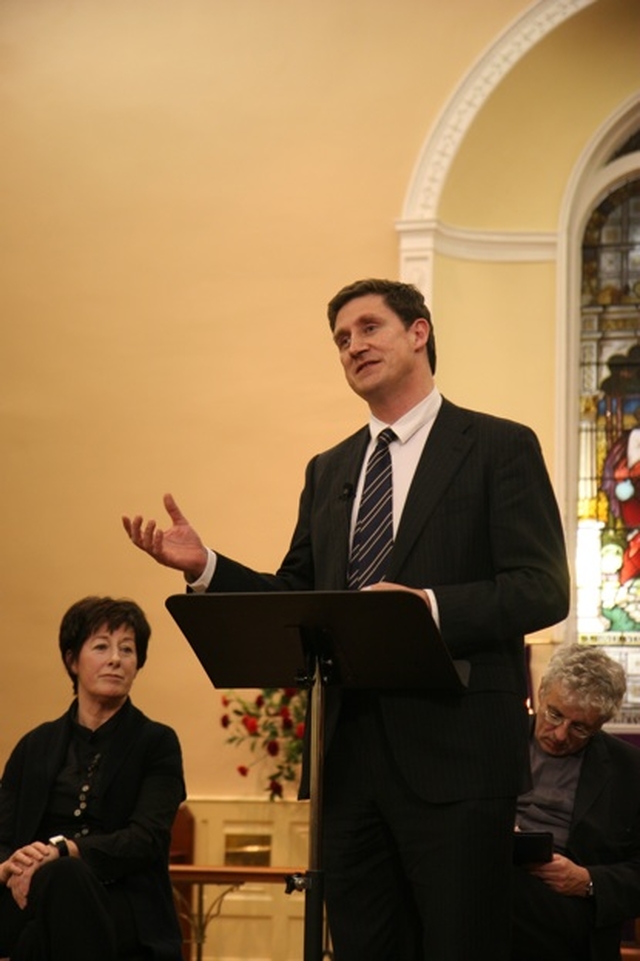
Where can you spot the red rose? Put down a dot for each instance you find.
(259, 701)
(251, 723)
(225, 700)
(225, 720)
(275, 788)
(242, 770)
(290, 692)
(272, 748)
(300, 730)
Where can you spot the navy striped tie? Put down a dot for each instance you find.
(373, 535)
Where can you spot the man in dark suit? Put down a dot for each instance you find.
(419, 789)
(586, 791)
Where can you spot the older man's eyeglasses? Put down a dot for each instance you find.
(555, 719)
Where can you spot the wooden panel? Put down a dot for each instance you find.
(252, 919)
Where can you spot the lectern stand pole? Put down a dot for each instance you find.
(314, 878)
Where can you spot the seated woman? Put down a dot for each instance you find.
(86, 808)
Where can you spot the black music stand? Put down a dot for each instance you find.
(353, 639)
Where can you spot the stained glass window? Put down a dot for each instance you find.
(608, 535)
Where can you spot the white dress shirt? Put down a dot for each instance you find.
(412, 431)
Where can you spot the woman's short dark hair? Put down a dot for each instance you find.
(405, 300)
(87, 616)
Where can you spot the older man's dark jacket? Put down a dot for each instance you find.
(604, 837)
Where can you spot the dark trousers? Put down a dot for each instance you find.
(408, 880)
(548, 926)
(70, 916)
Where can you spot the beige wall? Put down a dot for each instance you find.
(184, 186)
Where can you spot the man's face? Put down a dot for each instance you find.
(563, 727)
(380, 356)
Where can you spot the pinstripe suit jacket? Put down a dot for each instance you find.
(481, 528)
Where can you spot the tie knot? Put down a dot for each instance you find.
(386, 436)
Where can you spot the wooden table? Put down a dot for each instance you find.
(231, 877)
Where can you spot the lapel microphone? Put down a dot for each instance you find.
(348, 491)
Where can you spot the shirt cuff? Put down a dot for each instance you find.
(435, 614)
(200, 585)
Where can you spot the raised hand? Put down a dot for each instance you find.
(179, 546)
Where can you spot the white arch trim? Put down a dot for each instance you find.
(419, 230)
(591, 180)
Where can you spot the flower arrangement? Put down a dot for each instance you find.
(273, 726)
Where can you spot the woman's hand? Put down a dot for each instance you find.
(16, 872)
(19, 884)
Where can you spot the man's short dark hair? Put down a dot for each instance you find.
(87, 616)
(405, 300)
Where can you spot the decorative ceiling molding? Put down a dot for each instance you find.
(421, 235)
(520, 246)
(594, 173)
(444, 139)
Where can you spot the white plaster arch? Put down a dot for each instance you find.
(590, 181)
(419, 230)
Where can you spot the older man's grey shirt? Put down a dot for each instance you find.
(549, 806)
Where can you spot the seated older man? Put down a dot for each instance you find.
(586, 791)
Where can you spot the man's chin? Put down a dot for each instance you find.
(364, 387)
(556, 750)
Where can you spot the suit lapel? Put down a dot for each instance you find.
(124, 739)
(594, 775)
(447, 446)
(341, 486)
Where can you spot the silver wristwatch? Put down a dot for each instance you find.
(60, 843)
